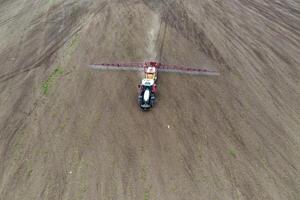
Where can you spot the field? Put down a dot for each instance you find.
(68, 132)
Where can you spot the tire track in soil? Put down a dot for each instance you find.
(152, 37)
(51, 47)
(175, 15)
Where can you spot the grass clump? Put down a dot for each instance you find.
(47, 84)
(146, 195)
(232, 153)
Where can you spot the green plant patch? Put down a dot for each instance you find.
(232, 153)
(146, 195)
(47, 84)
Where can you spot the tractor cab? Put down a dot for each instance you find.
(147, 84)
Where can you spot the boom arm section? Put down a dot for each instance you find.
(119, 66)
(187, 70)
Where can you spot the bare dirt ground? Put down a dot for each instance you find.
(68, 132)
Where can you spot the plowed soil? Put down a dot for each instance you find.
(69, 132)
